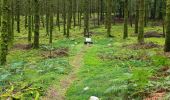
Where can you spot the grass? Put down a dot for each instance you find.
(107, 78)
(111, 69)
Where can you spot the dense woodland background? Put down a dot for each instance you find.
(58, 27)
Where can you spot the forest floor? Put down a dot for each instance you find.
(110, 69)
(76, 62)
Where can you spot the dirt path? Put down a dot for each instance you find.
(76, 63)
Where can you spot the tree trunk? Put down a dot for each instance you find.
(86, 18)
(137, 16)
(4, 32)
(18, 15)
(51, 21)
(141, 22)
(37, 22)
(167, 40)
(109, 17)
(69, 17)
(29, 22)
(64, 17)
(125, 19)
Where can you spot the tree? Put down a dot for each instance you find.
(58, 14)
(137, 16)
(37, 24)
(4, 31)
(86, 18)
(12, 19)
(51, 21)
(74, 11)
(109, 17)
(47, 17)
(141, 22)
(125, 19)
(18, 15)
(64, 17)
(0, 12)
(167, 39)
(29, 22)
(10, 35)
(69, 17)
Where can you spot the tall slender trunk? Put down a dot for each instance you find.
(58, 14)
(51, 22)
(125, 19)
(47, 17)
(86, 18)
(137, 16)
(4, 32)
(64, 17)
(109, 17)
(74, 11)
(0, 12)
(141, 21)
(69, 17)
(167, 40)
(18, 15)
(29, 22)
(37, 24)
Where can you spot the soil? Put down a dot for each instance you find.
(149, 45)
(60, 52)
(22, 47)
(153, 34)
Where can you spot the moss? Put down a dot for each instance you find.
(4, 32)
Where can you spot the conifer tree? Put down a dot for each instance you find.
(37, 24)
(69, 17)
(109, 17)
(141, 21)
(64, 17)
(137, 16)
(125, 19)
(86, 18)
(18, 15)
(167, 40)
(29, 22)
(4, 31)
(51, 21)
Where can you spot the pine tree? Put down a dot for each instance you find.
(69, 17)
(36, 22)
(64, 17)
(109, 17)
(51, 21)
(125, 19)
(58, 14)
(47, 17)
(137, 17)
(18, 15)
(29, 22)
(167, 40)
(10, 38)
(74, 11)
(4, 31)
(86, 18)
(12, 20)
(141, 21)
(0, 12)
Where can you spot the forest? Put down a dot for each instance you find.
(85, 50)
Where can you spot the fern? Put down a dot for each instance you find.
(167, 96)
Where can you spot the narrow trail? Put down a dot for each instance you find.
(76, 63)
